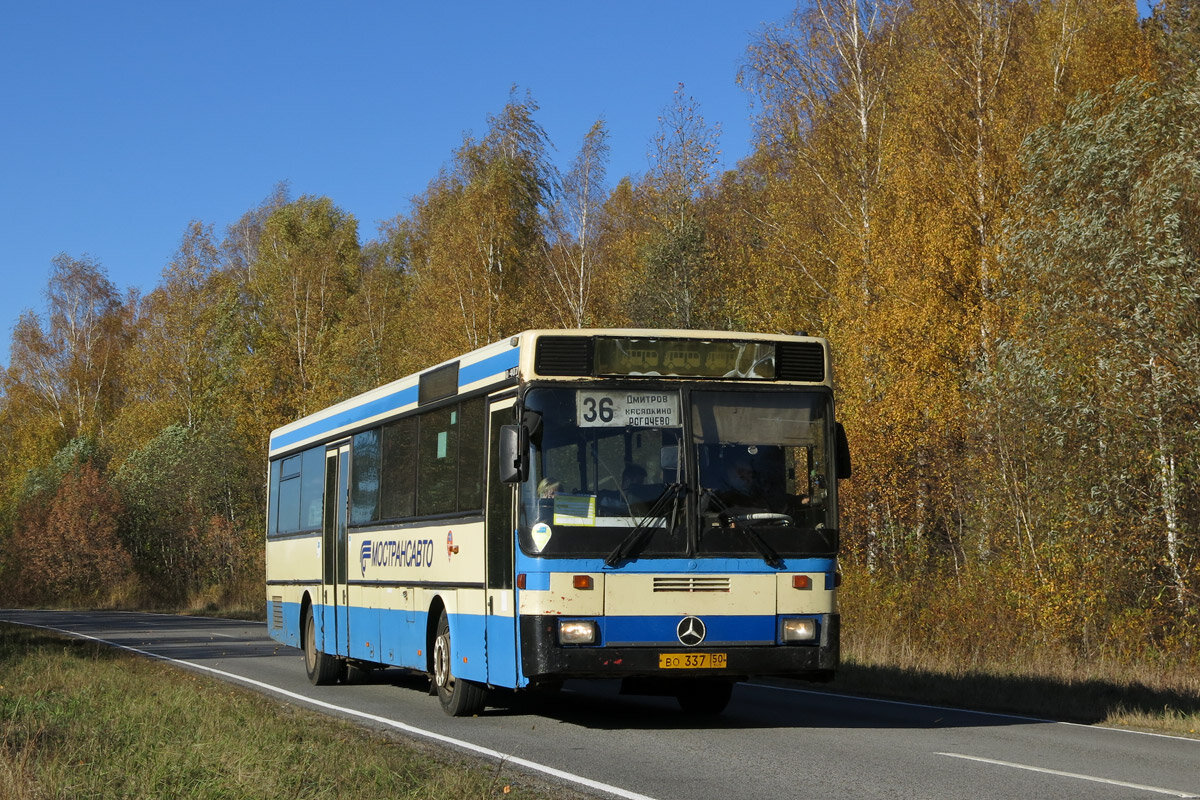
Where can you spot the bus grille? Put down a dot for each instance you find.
(277, 613)
(691, 583)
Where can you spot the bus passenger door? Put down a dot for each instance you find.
(501, 632)
(336, 627)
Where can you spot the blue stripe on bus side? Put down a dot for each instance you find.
(388, 636)
(398, 399)
(496, 366)
(290, 633)
(468, 653)
(535, 567)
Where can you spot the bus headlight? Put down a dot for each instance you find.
(799, 630)
(576, 631)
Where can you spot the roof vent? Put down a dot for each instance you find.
(800, 361)
(563, 355)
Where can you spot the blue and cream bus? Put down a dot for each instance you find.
(651, 505)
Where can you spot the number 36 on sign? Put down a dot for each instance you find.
(619, 409)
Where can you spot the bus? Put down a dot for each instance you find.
(656, 506)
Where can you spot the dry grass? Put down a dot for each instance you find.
(1043, 683)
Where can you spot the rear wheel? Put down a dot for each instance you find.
(704, 696)
(459, 697)
(322, 668)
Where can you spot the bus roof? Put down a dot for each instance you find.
(566, 355)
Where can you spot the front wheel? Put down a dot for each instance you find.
(459, 697)
(322, 668)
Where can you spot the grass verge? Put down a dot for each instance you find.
(79, 719)
(1046, 687)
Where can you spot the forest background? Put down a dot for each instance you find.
(990, 207)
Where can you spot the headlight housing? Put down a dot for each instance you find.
(577, 631)
(798, 629)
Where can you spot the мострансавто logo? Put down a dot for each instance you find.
(395, 553)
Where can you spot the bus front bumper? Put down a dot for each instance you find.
(543, 657)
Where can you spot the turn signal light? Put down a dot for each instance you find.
(582, 581)
(801, 582)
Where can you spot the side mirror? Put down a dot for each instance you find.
(844, 468)
(514, 445)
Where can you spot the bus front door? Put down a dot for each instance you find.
(501, 633)
(335, 633)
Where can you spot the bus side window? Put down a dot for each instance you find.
(437, 461)
(399, 490)
(471, 454)
(364, 471)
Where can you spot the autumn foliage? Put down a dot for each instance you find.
(67, 546)
(990, 207)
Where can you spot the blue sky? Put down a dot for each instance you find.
(123, 121)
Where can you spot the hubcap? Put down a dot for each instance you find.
(441, 663)
(310, 647)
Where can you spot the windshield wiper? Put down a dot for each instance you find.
(639, 536)
(745, 522)
(760, 544)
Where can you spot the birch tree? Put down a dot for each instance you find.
(826, 68)
(676, 258)
(299, 288)
(69, 367)
(575, 222)
(1105, 247)
(477, 232)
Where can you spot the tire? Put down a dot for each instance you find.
(459, 697)
(708, 697)
(322, 668)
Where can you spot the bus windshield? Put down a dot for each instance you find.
(623, 472)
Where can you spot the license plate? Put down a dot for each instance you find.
(691, 660)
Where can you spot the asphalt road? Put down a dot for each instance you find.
(772, 742)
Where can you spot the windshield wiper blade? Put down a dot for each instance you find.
(760, 544)
(638, 536)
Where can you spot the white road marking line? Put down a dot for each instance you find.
(569, 777)
(996, 714)
(1076, 775)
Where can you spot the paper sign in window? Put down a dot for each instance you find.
(575, 509)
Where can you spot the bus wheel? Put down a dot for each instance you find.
(704, 696)
(322, 668)
(459, 697)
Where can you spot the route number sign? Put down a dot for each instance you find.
(627, 409)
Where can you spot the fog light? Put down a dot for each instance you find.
(576, 631)
(799, 630)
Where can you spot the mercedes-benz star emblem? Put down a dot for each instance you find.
(690, 631)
